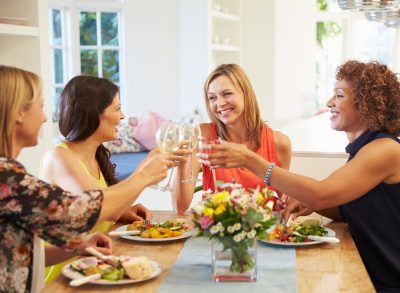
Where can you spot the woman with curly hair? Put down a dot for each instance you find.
(366, 190)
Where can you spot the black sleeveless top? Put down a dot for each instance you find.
(374, 223)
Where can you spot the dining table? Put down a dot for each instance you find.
(319, 268)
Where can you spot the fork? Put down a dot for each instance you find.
(146, 221)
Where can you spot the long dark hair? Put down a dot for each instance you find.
(82, 101)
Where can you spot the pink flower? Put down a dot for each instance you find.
(5, 190)
(205, 222)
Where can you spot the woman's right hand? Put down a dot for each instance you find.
(225, 154)
(155, 168)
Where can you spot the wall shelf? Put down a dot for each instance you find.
(225, 16)
(222, 47)
(18, 30)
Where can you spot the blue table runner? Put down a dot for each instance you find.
(276, 271)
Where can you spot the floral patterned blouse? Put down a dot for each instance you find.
(29, 206)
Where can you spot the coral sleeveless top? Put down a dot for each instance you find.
(243, 176)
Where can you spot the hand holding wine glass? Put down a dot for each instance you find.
(168, 138)
(202, 148)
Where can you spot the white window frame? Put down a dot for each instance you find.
(348, 19)
(72, 9)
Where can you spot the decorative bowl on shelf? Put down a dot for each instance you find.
(368, 4)
(374, 15)
(392, 23)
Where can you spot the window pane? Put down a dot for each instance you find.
(57, 35)
(376, 45)
(89, 64)
(56, 103)
(88, 30)
(109, 29)
(329, 48)
(327, 5)
(111, 65)
(58, 66)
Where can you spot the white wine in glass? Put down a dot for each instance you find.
(168, 140)
(191, 131)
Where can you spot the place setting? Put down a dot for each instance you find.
(147, 231)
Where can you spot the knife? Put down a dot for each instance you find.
(108, 259)
(122, 233)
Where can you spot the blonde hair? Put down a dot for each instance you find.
(252, 115)
(18, 89)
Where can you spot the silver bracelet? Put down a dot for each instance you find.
(267, 177)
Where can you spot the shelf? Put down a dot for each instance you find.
(225, 16)
(18, 30)
(221, 47)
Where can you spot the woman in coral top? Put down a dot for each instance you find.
(235, 117)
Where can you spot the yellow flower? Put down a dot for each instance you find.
(220, 209)
(260, 198)
(208, 212)
(220, 197)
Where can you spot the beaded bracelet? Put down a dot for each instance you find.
(267, 177)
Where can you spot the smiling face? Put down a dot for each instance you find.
(109, 120)
(226, 102)
(344, 113)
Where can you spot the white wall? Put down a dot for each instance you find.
(258, 35)
(295, 58)
(278, 56)
(152, 56)
(194, 54)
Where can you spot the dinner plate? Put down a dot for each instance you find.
(310, 242)
(71, 274)
(185, 234)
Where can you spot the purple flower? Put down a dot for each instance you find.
(205, 222)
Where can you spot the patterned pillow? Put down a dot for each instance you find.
(125, 143)
(145, 130)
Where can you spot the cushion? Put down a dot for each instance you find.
(145, 130)
(125, 143)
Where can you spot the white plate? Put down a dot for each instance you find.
(13, 20)
(310, 242)
(71, 274)
(185, 234)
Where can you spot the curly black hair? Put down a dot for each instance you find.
(376, 91)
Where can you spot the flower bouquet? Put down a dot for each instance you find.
(234, 218)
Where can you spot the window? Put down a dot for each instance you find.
(92, 48)
(59, 53)
(348, 35)
(99, 44)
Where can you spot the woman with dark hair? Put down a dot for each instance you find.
(235, 117)
(365, 192)
(90, 113)
(31, 209)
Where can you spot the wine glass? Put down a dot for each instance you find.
(191, 131)
(202, 142)
(168, 138)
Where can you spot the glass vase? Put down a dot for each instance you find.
(235, 263)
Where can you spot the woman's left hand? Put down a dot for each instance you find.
(98, 240)
(136, 213)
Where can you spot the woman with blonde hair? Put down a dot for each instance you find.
(235, 117)
(31, 208)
